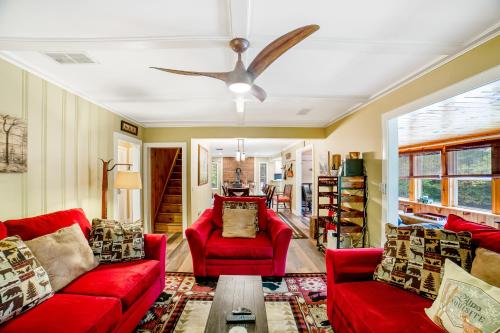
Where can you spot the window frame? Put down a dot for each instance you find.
(449, 183)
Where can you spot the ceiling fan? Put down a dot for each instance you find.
(241, 80)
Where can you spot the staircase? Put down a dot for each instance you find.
(169, 215)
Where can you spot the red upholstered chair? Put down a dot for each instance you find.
(285, 198)
(214, 255)
(357, 303)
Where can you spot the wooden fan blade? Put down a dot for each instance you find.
(274, 50)
(258, 92)
(221, 75)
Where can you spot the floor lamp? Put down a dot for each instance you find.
(128, 180)
(106, 167)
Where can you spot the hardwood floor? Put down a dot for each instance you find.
(303, 257)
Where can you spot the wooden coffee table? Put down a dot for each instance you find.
(232, 292)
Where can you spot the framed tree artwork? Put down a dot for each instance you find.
(13, 144)
(202, 165)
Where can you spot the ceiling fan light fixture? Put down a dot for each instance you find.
(240, 87)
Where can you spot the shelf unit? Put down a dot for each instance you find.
(341, 203)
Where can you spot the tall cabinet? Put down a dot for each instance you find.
(341, 210)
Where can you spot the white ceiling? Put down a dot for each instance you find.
(476, 111)
(363, 48)
(253, 147)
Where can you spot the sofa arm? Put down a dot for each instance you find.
(281, 235)
(197, 235)
(155, 248)
(344, 265)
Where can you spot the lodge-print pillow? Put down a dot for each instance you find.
(414, 257)
(112, 241)
(23, 281)
(243, 205)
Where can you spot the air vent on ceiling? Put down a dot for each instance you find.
(64, 58)
(303, 112)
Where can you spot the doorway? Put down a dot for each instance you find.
(165, 187)
(304, 183)
(127, 203)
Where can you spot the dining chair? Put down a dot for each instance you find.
(285, 198)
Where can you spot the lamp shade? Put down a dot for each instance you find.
(128, 180)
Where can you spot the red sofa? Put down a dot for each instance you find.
(356, 303)
(214, 255)
(109, 298)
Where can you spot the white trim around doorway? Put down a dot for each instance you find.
(390, 153)
(298, 178)
(147, 195)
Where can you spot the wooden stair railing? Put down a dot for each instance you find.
(165, 186)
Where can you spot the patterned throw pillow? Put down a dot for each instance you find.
(23, 281)
(112, 241)
(414, 257)
(247, 205)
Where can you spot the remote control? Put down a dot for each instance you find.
(231, 318)
(242, 311)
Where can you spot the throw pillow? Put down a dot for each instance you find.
(23, 281)
(413, 257)
(465, 303)
(486, 266)
(239, 219)
(112, 241)
(64, 254)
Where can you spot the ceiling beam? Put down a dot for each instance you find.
(204, 42)
(239, 16)
(163, 99)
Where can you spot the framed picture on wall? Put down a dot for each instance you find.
(13, 144)
(202, 166)
(129, 128)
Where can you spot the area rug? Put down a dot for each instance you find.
(295, 303)
(297, 233)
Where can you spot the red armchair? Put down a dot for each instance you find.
(214, 255)
(356, 303)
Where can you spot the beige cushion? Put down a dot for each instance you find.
(465, 303)
(239, 222)
(65, 255)
(486, 266)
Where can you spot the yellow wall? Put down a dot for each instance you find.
(362, 131)
(186, 134)
(201, 195)
(66, 137)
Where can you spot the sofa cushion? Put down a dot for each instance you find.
(414, 257)
(482, 235)
(126, 281)
(218, 206)
(240, 219)
(24, 283)
(112, 241)
(3, 230)
(371, 306)
(33, 227)
(65, 255)
(218, 247)
(68, 313)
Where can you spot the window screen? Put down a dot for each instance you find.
(427, 164)
(469, 161)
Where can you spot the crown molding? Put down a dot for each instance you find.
(7, 56)
(482, 38)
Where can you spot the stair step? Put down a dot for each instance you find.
(173, 190)
(175, 182)
(176, 176)
(171, 208)
(177, 168)
(169, 218)
(168, 227)
(176, 199)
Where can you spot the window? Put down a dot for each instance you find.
(404, 174)
(427, 170)
(469, 169)
(262, 174)
(214, 175)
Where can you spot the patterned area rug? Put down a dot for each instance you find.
(297, 232)
(296, 303)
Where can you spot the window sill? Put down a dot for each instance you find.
(459, 209)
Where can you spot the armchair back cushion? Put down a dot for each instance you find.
(219, 206)
(33, 227)
(482, 235)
